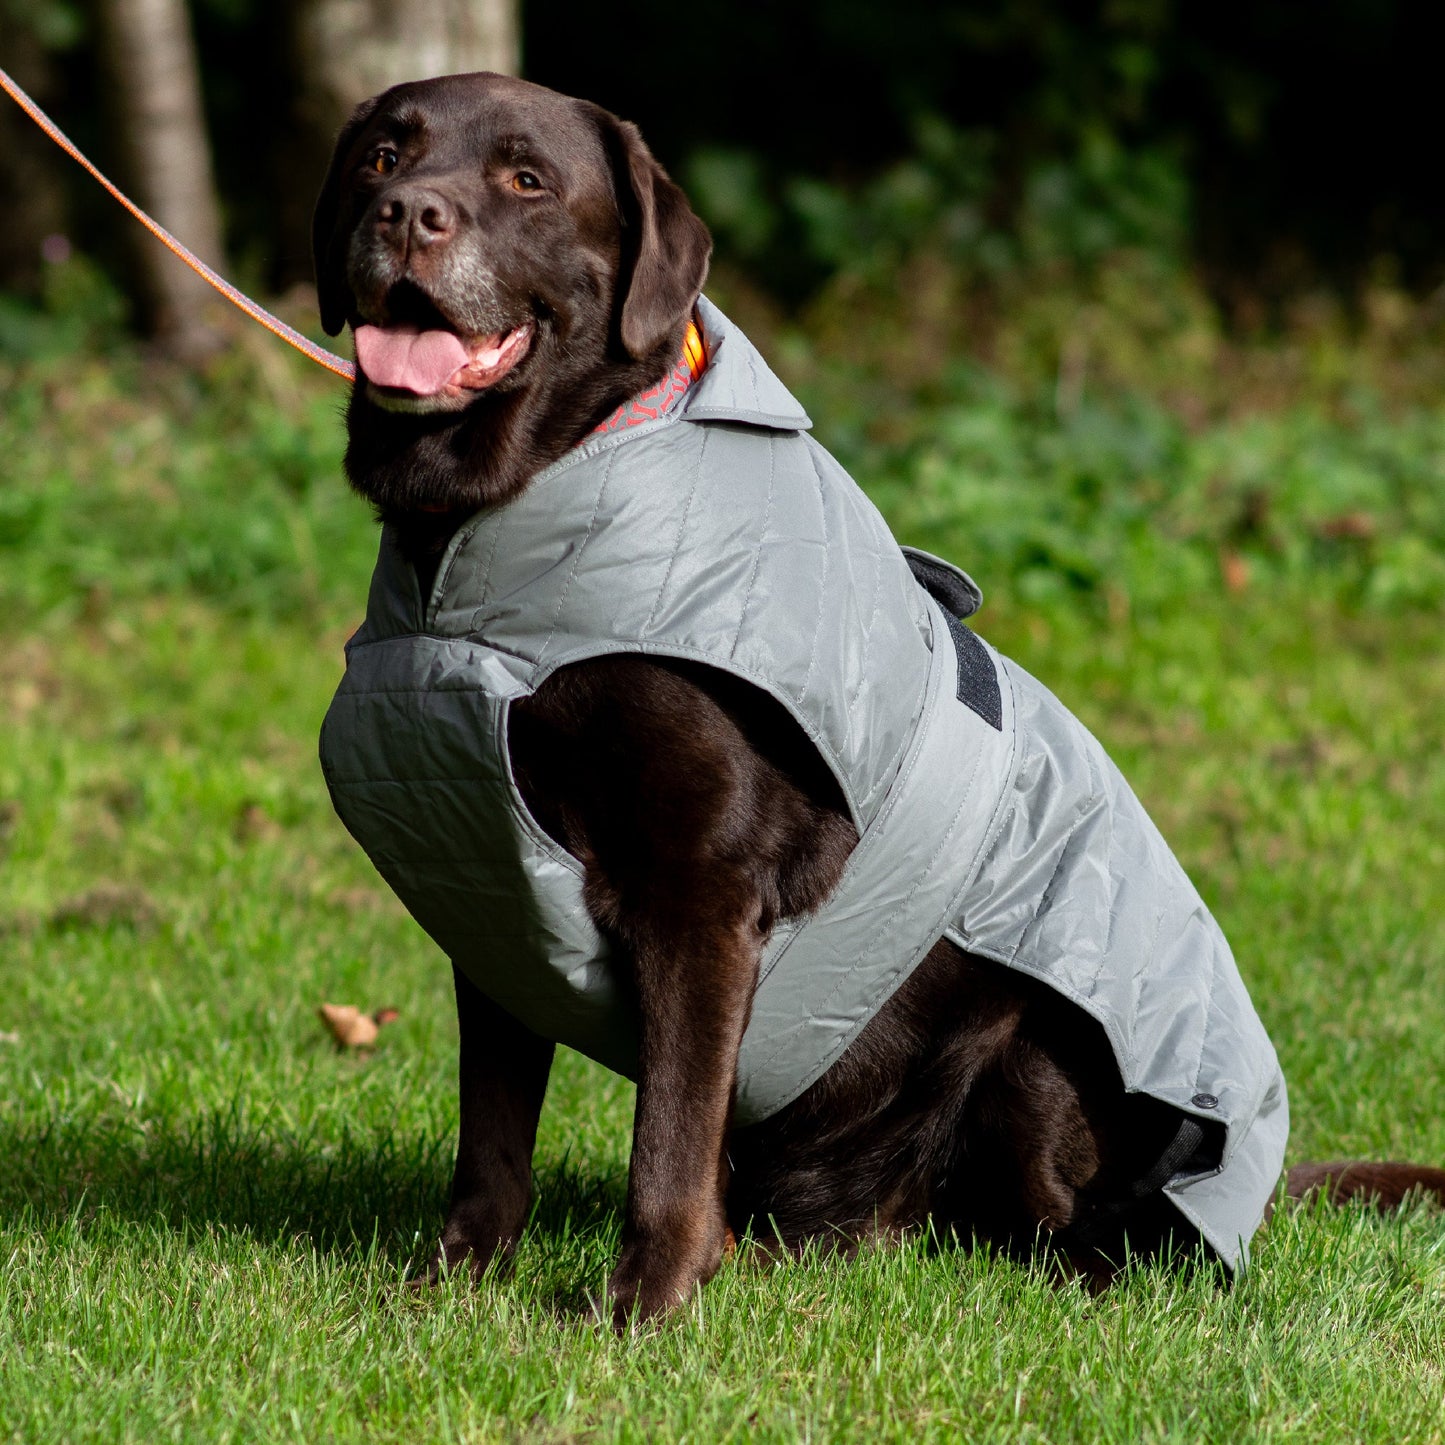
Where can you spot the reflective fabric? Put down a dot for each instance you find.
(724, 534)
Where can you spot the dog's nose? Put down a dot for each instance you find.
(422, 217)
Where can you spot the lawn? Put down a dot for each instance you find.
(208, 1217)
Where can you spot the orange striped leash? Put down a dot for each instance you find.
(304, 345)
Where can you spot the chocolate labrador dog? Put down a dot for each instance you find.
(517, 268)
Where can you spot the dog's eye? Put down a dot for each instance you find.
(384, 162)
(525, 181)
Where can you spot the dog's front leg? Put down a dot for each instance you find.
(503, 1070)
(695, 977)
(646, 772)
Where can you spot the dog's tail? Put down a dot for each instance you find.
(1386, 1186)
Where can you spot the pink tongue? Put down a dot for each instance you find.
(408, 358)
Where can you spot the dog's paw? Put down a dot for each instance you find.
(652, 1280)
(442, 1266)
(634, 1301)
(467, 1246)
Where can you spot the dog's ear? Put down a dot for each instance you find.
(327, 256)
(665, 247)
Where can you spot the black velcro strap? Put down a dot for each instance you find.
(1182, 1148)
(1180, 1151)
(978, 687)
(954, 591)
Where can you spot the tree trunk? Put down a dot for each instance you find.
(32, 188)
(150, 59)
(346, 50)
(351, 49)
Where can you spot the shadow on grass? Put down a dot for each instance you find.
(363, 1193)
(369, 1194)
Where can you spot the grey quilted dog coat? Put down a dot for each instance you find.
(722, 533)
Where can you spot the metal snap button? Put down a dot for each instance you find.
(1205, 1101)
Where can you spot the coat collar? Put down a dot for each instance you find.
(738, 385)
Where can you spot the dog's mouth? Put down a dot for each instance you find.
(420, 362)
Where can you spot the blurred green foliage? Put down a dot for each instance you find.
(797, 232)
(1065, 434)
(970, 236)
(1277, 147)
(126, 477)
(1121, 502)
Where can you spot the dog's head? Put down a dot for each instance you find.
(514, 263)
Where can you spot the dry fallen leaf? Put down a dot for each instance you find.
(350, 1027)
(1235, 570)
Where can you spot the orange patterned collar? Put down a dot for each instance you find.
(658, 400)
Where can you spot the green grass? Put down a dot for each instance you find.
(207, 1216)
